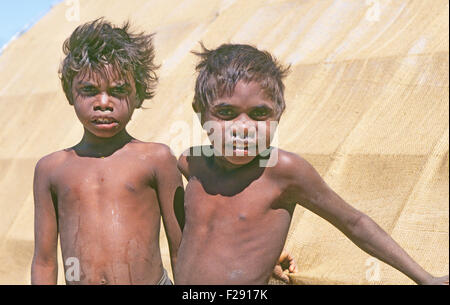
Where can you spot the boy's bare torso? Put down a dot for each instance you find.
(108, 214)
(236, 224)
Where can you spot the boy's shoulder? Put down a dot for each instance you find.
(49, 163)
(185, 157)
(282, 166)
(289, 168)
(53, 159)
(159, 153)
(154, 148)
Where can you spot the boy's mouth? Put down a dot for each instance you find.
(105, 122)
(241, 148)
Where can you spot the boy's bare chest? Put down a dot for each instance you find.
(244, 203)
(88, 177)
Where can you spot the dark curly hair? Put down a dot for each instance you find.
(221, 69)
(95, 45)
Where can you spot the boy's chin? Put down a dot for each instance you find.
(104, 133)
(239, 160)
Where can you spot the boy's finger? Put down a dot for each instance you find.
(284, 278)
(278, 274)
(292, 264)
(293, 268)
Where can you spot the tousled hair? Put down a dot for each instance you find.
(95, 45)
(219, 71)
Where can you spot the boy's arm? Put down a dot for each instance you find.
(44, 268)
(171, 200)
(308, 189)
(183, 165)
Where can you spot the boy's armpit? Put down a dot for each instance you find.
(178, 207)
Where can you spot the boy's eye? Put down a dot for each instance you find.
(226, 113)
(260, 114)
(89, 91)
(118, 91)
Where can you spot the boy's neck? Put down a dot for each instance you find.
(226, 166)
(93, 146)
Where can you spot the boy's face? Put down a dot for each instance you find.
(104, 104)
(244, 123)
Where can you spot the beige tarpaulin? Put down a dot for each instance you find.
(367, 105)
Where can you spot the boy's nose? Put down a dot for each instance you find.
(243, 129)
(103, 103)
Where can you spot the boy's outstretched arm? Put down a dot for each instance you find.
(171, 199)
(306, 187)
(44, 268)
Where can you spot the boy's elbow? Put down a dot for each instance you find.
(359, 223)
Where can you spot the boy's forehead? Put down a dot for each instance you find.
(243, 93)
(107, 73)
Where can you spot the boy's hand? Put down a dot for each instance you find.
(443, 280)
(286, 261)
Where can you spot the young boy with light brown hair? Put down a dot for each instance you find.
(241, 192)
(105, 196)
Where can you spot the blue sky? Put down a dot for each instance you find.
(16, 14)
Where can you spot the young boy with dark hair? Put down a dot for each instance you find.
(105, 195)
(241, 193)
